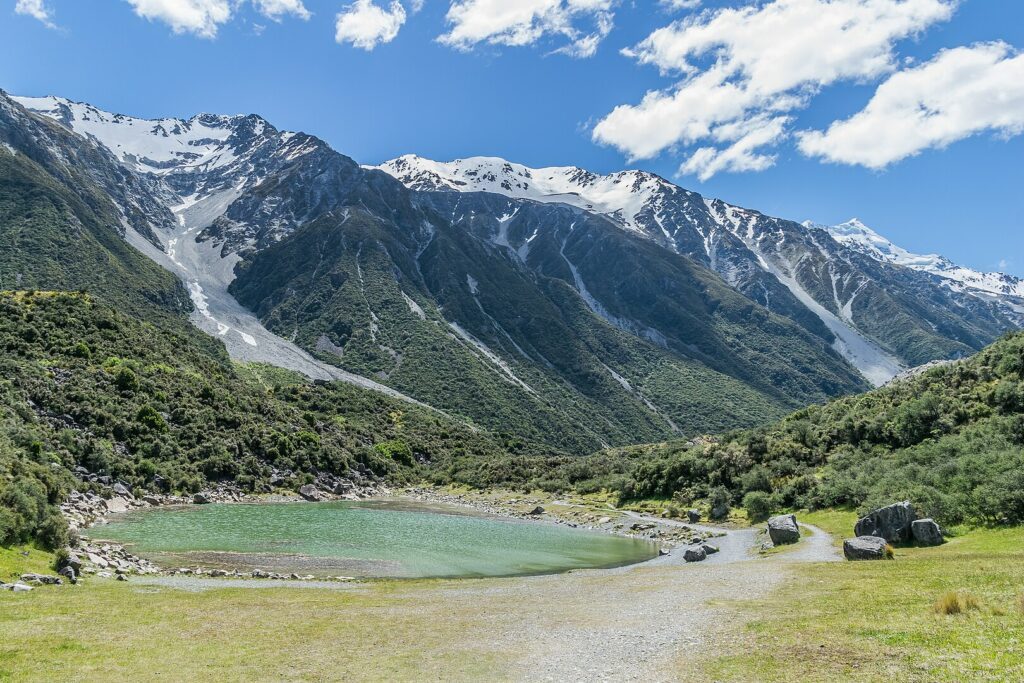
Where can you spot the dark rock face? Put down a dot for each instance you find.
(693, 516)
(865, 548)
(891, 523)
(709, 549)
(926, 532)
(695, 554)
(537, 511)
(783, 529)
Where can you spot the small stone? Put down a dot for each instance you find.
(709, 549)
(122, 577)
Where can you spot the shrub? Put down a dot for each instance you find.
(718, 501)
(758, 505)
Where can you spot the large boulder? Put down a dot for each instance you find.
(865, 548)
(783, 529)
(695, 553)
(122, 491)
(891, 523)
(693, 516)
(311, 493)
(116, 505)
(201, 499)
(926, 532)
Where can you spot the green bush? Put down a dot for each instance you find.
(758, 505)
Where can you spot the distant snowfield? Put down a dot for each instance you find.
(207, 277)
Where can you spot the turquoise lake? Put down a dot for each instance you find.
(380, 538)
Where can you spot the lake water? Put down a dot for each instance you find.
(381, 538)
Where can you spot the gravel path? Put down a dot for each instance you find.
(639, 623)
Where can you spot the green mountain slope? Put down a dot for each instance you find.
(84, 385)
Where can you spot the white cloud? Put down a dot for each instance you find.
(366, 25)
(745, 137)
(277, 9)
(750, 65)
(675, 5)
(201, 17)
(36, 9)
(960, 93)
(524, 22)
(204, 17)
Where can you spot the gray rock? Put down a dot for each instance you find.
(695, 553)
(17, 587)
(537, 511)
(75, 562)
(693, 516)
(865, 548)
(42, 579)
(152, 500)
(709, 549)
(68, 572)
(783, 529)
(201, 499)
(116, 505)
(311, 493)
(720, 512)
(926, 532)
(123, 491)
(122, 577)
(891, 523)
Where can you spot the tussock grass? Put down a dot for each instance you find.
(952, 602)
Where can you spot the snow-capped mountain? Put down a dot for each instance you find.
(862, 238)
(622, 196)
(812, 275)
(191, 159)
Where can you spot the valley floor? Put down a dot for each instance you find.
(773, 617)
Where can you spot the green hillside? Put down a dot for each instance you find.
(84, 385)
(951, 440)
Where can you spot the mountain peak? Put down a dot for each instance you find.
(156, 145)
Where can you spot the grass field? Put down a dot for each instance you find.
(869, 621)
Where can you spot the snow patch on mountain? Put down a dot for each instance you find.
(860, 237)
(155, 146)
(621, 196)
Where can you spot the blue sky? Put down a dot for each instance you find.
(447, 79)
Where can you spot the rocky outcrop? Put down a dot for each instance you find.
(866, 548)
(893, 523)
(41, 579)
(926, 532)
(783, 529)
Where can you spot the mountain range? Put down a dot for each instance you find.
(554, 306)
